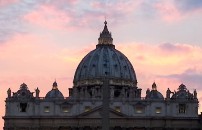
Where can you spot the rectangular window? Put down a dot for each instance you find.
(118, 109)
(46, 109)
(23, 107)
(139, 109)
(87, 108)
(158, 110)
(182, 108)
(65, 109)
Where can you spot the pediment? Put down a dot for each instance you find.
(97, 113)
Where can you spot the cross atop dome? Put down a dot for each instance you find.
(105, 36)
(105, 22)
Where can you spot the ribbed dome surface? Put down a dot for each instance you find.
(54, 93)
(105, 60)
(154, 94)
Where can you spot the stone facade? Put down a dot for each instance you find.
(109, 99)
(25, 111)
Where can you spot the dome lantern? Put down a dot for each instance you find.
(105, 36)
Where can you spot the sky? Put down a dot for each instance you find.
(44, 40)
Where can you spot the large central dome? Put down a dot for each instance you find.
(105, 62)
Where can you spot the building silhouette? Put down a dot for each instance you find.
(104, 96)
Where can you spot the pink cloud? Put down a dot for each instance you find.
(150, 61)
(115, 11)
(174, 11)
(175, 48)
(49, 17)
(168, 11)
(7, 2)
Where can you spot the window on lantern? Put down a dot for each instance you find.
(158, 110)
(139, 109)
(87, 108)
(46, 109)
(182, 108)
(118, 109)
(23, 107)
(65, 109)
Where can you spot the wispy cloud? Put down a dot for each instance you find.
(4, 3)
(175, 48)
(191, 77)
(189, 5)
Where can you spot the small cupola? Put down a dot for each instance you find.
(154, 93)
(55, 92)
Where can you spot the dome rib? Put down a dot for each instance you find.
(81, 65)
(117, 55)
(101, 62)
(129, 69)
(89, 64)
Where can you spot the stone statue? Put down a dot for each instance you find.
(174, 94)
(37, 92)
(195, 94)
(147, 92)
(9, 93)
(168, 92)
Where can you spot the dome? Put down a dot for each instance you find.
(54, 93)
(105, 61)
(154, 93)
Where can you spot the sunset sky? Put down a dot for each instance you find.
(44, 40)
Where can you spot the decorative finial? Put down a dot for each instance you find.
(105, 22)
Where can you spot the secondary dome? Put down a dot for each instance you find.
(154, 93)
(54, 93)
(105, 61)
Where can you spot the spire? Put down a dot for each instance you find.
(55, 85)
(105, 28)
(105, 36)
(154, 87)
